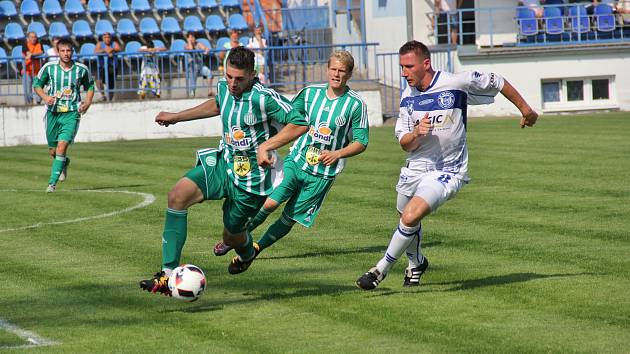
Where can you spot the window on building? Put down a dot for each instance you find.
(575, 90)
(551, 91)
(600, 89)
(578, 93)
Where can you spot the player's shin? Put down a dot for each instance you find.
(276, 231)
(400, 241)
(174, 237)
(246, 250)
(57, 166)
(414, 250)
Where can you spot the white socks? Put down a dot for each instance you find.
(414, 250)
(401, 240)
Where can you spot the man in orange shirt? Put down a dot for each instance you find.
(32, 52)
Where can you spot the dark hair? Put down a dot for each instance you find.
(150, 44)
(241, 58)
(64, 41)
(420, 49)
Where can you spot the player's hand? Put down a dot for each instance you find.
(49, 100)
(423, 128)
(329, 157)
(166, 118)
(84, 107)
(264, 157)
(529, 118)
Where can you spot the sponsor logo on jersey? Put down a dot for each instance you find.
(425, 102)
(250, 118)
(67, 93)
(238, 139)
(339, 121)
(322, 133)
(326, 109)
(446, 99)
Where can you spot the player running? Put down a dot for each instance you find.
(237, 172)
(432, 129)
(64, 106)
(338, 128)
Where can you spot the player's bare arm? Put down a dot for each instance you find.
(328, 157)
(287, 134)
(204, 110)
(529, 115)
(411, 141)
(49, 100)
(87, 103)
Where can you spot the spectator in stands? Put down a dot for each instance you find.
(32, 52)
(535, 5)
(149, 72)
(446, 14)
(233, 43)
(196, 65)
(617, 8)
(109, 47)
(257, 43)
(51, 53)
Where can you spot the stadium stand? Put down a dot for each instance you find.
(214, 24)
(96, 7)
(193, 24)
(81, 30)
(204, 42)
(554, 24)
(140, 7)
(7, 9)
(148, 27)
(164, 6)
(87, 52)
(244, 41)
(126, 28)
(579, 23)
(118, 7)
(604, 21)
(208, 5)
(30, 8)
(13, 32)
(103, 26)
(170, 26)
(237, 22)
(74, 8)
(52, 8)
(527, 24)
(58, 29)
(3, 56)
(38, 28)
(185, 5)
(231, 4)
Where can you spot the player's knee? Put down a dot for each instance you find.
(270, 205)
(233, 240)
(410, 218)
(177, 199)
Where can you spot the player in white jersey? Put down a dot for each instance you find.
(432, 129)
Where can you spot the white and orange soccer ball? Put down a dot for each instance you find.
(187, 282)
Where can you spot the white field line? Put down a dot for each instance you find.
(32, 338)
(148, 199)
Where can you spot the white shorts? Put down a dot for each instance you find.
(435, 187)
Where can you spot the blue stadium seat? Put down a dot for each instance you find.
(231, 4)
(236, 22)
(204, 42)
(170, 26)
(16, 53)
(3, 56)
(103, 26)
(579, 22)
(158, 43)
(192, 23)
(554, 23)
(118, 7)
(126, 27)
(81, 29)
(38, 28)
(178, 45)
(13, 31)
(149, 27)
(604, 18)
(185, 5)
(96, 7)
(140, 6)
(133, 47)
(74, 8)
(30, 8)
(214, 23)
(209, 5)
(52, 8)
(244, 41)
(164, 6)
(58, 29)
(221, 42)
(527, 23)
(87, 52)
(7, 8)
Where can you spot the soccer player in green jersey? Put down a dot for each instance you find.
(64, 80)
(338, 128)
(237, 172)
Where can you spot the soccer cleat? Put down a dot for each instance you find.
(237, 265)
(64, 173)
(221, 249)
(51, 188)
(412, 275)
(370, 279)
(159, 283)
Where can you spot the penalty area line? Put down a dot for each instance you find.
(148, 199)
(32, 338)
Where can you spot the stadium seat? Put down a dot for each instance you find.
(214, 23)
(13, 31)
(164, 6)
(244, 41)
(185, 5)
(81, 29)
(58, 29)
(527, 23)
(87, 52)
(126, 27)
(16, 53)
(7, 9)
(118, 7)
(38, 28)
(140, 6)
(74, 8)
(170, 26)
(221, 42)
(158, 43)
(133, 47)
(578, 19)
(193, 24)
(554, 23)
(178, 45)
(52, 8)
(149, 27)
(96, 7)
(604, 20)
(208, 5)
(204, 42)
(3, 56)
(236, 22)
(231, 4)
(103, 26)
(29, 8)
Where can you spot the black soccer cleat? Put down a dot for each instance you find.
(371, 279)
(412, 275)
(237, 265)
(157, 284)
(221, 249)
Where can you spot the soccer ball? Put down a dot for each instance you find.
(187, 282)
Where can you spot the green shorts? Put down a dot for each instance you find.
(305, 193)
(211, 177)
(61, 126)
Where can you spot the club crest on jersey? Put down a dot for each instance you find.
(312, 155)
(211, 160)
(250, 118)
(409, 107)
(339, 121)
(322, 133)
(238, 139)
(242, 166)
(446, 99)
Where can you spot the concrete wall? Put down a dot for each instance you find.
(128, 121)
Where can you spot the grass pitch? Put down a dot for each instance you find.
(532, 256)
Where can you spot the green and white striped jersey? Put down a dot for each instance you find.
(333, 124)
(64, 84)
(248, 121)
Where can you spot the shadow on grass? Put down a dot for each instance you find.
(370, 249)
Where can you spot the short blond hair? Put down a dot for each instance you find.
(344, 57)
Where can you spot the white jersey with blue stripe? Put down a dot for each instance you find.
(446, 100)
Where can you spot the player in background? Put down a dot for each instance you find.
(237, 172)
(64, 106)
(338, 128)
(432, 129)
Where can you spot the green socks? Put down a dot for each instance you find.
(57, 167)
(174, 237)
(246, 251)
(258, 219)
(276, 231)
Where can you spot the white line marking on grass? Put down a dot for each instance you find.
(31, 337)
(148, 200)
